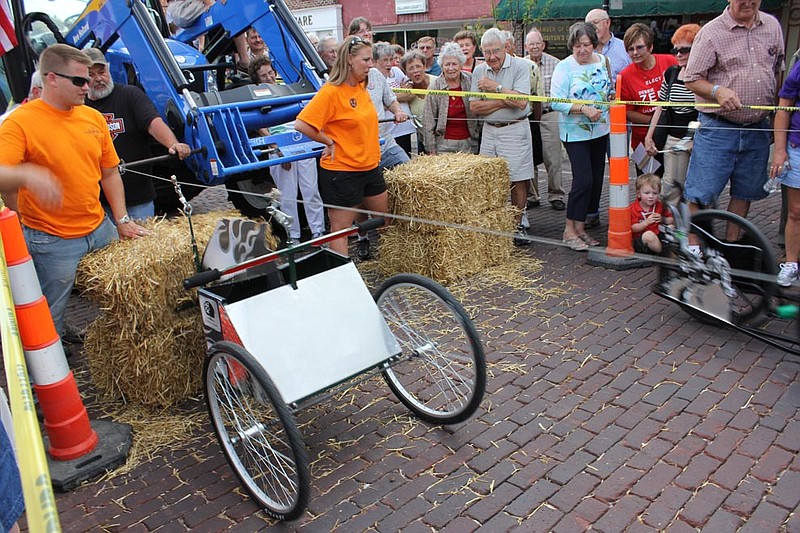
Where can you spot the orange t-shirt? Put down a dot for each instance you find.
(74, 145)
(347, 116)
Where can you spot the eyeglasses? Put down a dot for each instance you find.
(354, 40)
(637, 48)
(681, 50)
(495, 52)
(77, 81)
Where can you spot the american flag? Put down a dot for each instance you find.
(8, 38)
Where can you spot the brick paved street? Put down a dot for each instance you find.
(607, 408)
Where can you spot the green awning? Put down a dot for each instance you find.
(576, 9)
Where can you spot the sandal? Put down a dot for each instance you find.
(575, 243)
(589, 240)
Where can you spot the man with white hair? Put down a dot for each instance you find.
(547, 129)
(132, 119)
(618, 58)
(506, 132)
(537, 88)
(608, 45)
(34, 93)
(326, 48)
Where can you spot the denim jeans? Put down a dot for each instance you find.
(56, 261)
(13, 504)
(393, 156)
(136, 212)
(724, 152)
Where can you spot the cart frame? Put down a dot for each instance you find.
(261, 368)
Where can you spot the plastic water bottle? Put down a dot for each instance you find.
(773, 184)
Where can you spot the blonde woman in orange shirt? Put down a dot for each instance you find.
(341, 116)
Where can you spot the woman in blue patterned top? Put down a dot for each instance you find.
(584, 128)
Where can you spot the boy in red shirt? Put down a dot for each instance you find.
(647, 212)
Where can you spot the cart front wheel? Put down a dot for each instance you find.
(256, 430)
(441, 375)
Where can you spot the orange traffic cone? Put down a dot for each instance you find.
(66, 422)
(620, 241)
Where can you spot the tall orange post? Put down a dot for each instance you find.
(620, 242)
(619, 252)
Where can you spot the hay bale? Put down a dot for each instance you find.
(450, 188)
(152, 365)
(448, 254)
(147, 346)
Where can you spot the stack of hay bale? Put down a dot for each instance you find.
(462, 189)
(147, 346)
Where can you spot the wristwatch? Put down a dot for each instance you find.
(498, 89)
(124, 220)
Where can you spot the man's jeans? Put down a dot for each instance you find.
(393, 156)
(56, 261)
(137, 212)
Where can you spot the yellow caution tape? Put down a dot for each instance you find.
(37, 489)
(535, 98)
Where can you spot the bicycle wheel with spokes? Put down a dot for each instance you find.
(256, 430)
(747, 252)
(442, 374)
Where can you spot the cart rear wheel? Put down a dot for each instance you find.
(256, 430)
(444, 377)
(750, 254)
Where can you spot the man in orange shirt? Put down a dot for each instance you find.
(59, 133)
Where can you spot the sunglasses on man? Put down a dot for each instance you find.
(77, 81)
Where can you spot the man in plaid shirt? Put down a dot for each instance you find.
(735, 61)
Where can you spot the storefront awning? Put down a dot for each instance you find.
(577, 9)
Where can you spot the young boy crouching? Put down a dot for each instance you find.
(647, 212)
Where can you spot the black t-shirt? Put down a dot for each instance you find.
(129, 112)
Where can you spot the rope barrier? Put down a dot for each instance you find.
(548, 99)
(40, 502)
(655, 260)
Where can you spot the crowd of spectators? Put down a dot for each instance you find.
(66, 168)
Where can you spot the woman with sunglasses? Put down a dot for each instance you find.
(641, 80)
(674, 119)
(341, 116)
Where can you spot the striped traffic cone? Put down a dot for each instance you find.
(65, 419)
(620, 241)
(66, 422)
(618, 254)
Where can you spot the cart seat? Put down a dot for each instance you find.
(236, 240)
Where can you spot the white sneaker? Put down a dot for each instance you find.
(695, 250)
(788, 274)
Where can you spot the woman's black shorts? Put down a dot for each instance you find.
(348, 189)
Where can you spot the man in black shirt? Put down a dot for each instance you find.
(132, 119)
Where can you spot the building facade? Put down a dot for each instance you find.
(405, 21)
(323, 17)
